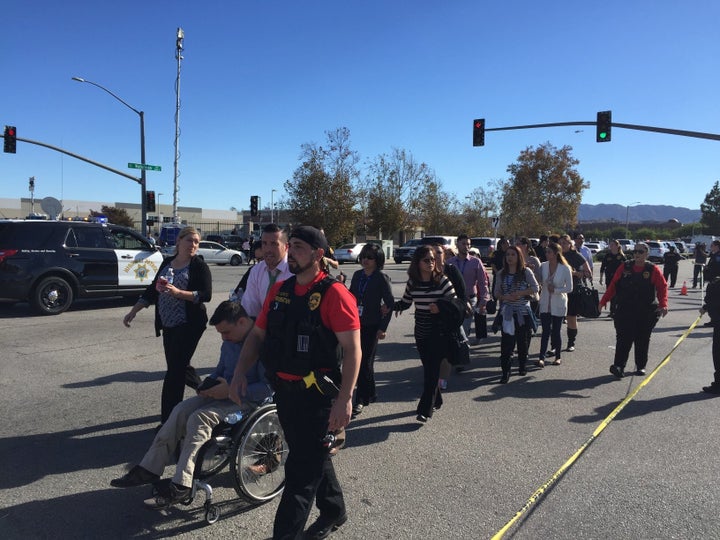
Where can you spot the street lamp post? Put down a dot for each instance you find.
(159, 210)
(143, 184)
(627, 217)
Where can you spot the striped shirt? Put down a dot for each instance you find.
(423, 294)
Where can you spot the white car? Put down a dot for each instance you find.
(349, 253)
(593, 247)
(657, 250)
(212, 252)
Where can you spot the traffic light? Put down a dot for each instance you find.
(150, 201)
(603, 126)
(10, 140)
(479, 132)
(254, 205)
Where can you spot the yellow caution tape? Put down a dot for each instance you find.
(540, 491)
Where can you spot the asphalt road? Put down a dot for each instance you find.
(80, 397)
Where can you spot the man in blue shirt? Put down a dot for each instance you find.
(193, 420)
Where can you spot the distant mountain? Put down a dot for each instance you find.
(637, 213)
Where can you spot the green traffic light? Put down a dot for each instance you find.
(603, 134)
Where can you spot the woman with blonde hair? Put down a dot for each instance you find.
(179, 291)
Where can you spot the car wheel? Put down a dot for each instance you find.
(235, 260)
(398, 261)
(52, 296)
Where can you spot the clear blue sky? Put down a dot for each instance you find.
(261, 78)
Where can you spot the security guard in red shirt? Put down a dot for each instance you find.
(303, 321)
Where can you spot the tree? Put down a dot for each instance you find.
(543, 193)
(480, 207)
(322, 191)
(118, 216)
(392, 192)
(710, 209)
(439, 210)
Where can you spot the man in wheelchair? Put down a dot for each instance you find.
(193, 419)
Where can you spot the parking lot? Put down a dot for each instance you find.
(80, 395)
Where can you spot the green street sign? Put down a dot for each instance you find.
(146, 167)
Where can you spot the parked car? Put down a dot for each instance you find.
(485, 246)
(406, 251)
(51, 263)
(231, 241)
(212, 252)
(627, 244)
(348, 253)
(657, 250)
(593, 247)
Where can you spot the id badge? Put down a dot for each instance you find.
(360, 310)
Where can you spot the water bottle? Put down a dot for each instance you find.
(233, 418)
(170, 276)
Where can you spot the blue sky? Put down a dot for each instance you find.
(259, 79)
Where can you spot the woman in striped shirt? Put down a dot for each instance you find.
(425, 286)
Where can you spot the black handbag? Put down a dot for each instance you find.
(491, 306)
(589, 302)
(460, 351)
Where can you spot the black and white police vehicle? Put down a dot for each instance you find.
(51, 263)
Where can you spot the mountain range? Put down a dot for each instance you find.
(637, 213)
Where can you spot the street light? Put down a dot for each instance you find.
(627, 216)
(272, 204)
(141, 114)
(159, 210)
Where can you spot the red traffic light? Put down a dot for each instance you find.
(479, 132)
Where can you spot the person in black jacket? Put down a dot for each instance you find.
(179, 291)
(371, 287)
(671, 260)
(711, 306)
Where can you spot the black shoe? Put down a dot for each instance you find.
(505, 378)
(421, 418)
(640, 372)
(570, 347)
(617, 371)
(523, 371)
(712, 389)
(357, 409)
(709, 324)
(137, 476)
(174, 494)
(323, 527)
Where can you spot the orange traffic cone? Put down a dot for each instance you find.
(683, 290)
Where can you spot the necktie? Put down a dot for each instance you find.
(272, 274)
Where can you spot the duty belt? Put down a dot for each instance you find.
(315, 379)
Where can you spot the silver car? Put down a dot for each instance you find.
(212, 252)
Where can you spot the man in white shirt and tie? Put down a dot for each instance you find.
(273, 267)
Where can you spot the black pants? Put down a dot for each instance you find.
(179, 343)
(521, 339)
(552, 332)
(309, 472)
(716, 352)
(670, 272)
(432, 351)
(366, 375)
(697, 270)
(633, 327)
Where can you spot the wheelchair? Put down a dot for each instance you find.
(256, 449)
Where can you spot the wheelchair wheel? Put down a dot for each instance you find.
(212, 513)
(213, 456)
(258, 457)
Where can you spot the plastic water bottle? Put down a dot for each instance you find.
(233, 418)
(170, 276)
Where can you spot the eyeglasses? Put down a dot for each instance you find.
(429, 260)
(639, 251)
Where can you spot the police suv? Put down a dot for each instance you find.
(50, 263)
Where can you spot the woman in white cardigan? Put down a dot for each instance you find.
(556, 282)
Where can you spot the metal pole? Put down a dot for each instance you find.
(178, 56)
(143, 182)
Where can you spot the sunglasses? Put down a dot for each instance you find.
(428, 260)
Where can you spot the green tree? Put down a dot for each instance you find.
(710, 210)
(392, 192)
(322, 191)
(543, 193)
(480, 207)
(118, 216)
(439, 210)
